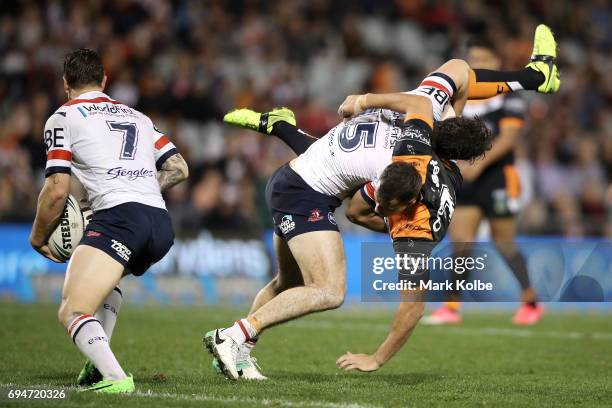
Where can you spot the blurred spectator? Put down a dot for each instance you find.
(186, 62)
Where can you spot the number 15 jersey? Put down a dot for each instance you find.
(112, 149)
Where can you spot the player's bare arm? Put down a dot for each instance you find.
(502, 144)
(173, 171)
(406, 318)
(398, 102)
(51, 202)
(362, 213)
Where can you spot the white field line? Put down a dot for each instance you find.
(249, 400)
(491, 331)
(276, 402)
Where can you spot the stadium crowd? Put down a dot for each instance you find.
(185, 63)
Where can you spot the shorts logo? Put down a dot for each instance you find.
(330, 217)
(121, 250)
(287, 224)
(93, 234)
(315, 215)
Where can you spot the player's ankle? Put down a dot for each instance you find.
(241, 331)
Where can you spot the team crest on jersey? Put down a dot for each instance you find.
(287, 224)
(315, 215)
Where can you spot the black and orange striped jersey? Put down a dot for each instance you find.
(496, 112)
(430, 218)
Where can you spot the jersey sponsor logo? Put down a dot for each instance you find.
(415, 133)
(435, 170)
(446, 209)
(106, 108)
(124, 252)
(331, 218)
(287, 224)
(315, 215)
(130, 174)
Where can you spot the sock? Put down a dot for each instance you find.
(485, 83)
(245, 351)
(89, 337)
(529, 297)
(517, 264)
(109, 310)
(454, 306)
(298, 140)
(250, 344)
(241, 332)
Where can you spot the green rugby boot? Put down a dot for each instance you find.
(260, 122)
(89, 374)
(544, 59)
(113, 386)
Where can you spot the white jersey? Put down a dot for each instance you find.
(358, 151)
(112, 149)
(350, 154)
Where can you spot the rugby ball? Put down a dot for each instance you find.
(69, 231)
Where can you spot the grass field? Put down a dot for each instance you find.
(564, 361)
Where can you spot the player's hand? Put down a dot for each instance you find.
(44, 251)
(353, 105)
(359, 362)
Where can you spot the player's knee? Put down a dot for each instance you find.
(67, 313)
(335, 297)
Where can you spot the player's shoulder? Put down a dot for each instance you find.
(59, 117)
(415, 137)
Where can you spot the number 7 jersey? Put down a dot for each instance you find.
(112, 149)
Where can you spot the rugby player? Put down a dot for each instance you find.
(124, 164)
(303, 194)
(491, 190)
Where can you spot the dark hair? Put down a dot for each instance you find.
(461, 138)
(83, 67)
(400, 181)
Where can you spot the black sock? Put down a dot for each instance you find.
(297, 140)
(529, 79)
(517, 264)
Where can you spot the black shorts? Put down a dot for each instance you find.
(134, 234)
(297, 208)
(495, 192)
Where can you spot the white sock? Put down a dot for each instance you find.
(89, 336)
(244, 352)
(109, 310)
(241, 331)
